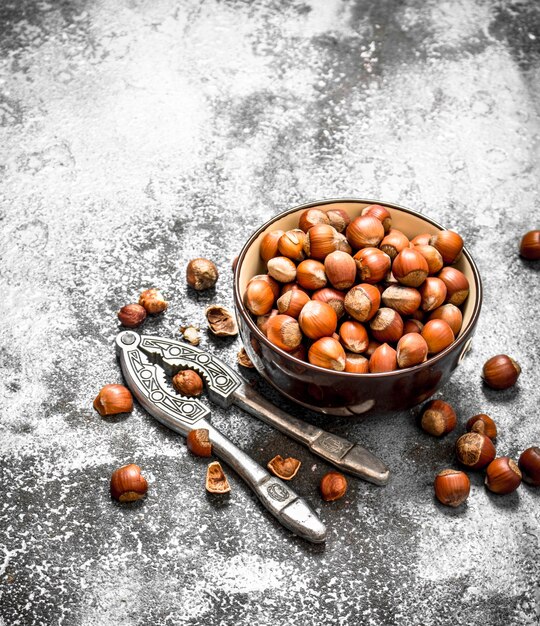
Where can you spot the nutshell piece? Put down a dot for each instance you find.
(243, 359)
(113, 400)
(153, 301)
(221, 321)
(132, 315)
(128, 484)
(188, 383)
(201, 274)
(284, 468)
(198, 442)
(216, 481)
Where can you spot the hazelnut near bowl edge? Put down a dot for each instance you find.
(347, 393)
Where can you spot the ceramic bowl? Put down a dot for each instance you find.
(343, 393)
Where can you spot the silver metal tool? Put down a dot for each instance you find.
(142, 358)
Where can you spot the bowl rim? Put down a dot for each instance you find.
(241, 309)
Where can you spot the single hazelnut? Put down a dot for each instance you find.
(433, 293)
(381, 213)
(438, 335)
(410, 268)
(372, 346)
(292, 302)
(284, 468)
(322, 239)
(529, 464)
(393, 243)
(317, 319)
(353, 336)
(333, 297)
(262, 321)
(327, 352)
(404, 300)
(365, 231)
(128, 484)
(412, 326)
(339, 219)
(383, 359)
(421, 240)
(188, 383)
(503, 476)
(451, 315)
(153, 301)
(362, 302)
(259, 296)
(482, 424)
(311, 217)
(433, 258)
(449, 244)
(216, 481)
(333, 486)
(500, 372)
(269, 245)
(411, 349)
(284, 332)
(201, 274)
(386, 325)
(198, 442)
(310, 274)
(529, 247)
(274, 285)
(438, 418)
(452, 487)
(132, 315)
(291, 244)
(282, 269)
(475, 450)
(340, 270)
(221, 321)
(457, 285)
(356, 363)
(113, 400)
(372, 265)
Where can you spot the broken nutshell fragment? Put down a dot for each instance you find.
(284, 468)
(191, 334)
(221, 321)
(216, 481)
(243, 359)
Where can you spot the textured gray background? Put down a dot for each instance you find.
(135, 135)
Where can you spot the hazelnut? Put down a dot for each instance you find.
(362, 302)
(262, 321)
(433, 257)
(381, 213)
(284, 468)
(482, 424)
(501, 372)
(201, 274)
(282, 269)
(340, 270)
(269, 245)
(292, 302)
(421, 240)
(284, 332)
(452, 487)
(310, 274)
(221, 321)
(327, 352)
(191, 334)
(372, 346)
(449, 244)
(333, 486)
(291, 244)
(311, 217)
(113, 400)
(411, 349)
(243, 359)
(339, 219)
(216, 481)
(259, 297)
(475, 450)
(323, 239)
(274, 285)
(433, 293)
(317, 319)
(451, 315)
(457, 285)
(365, 231)
(393, 243)
(438, 418)
(127, 484)
(503, 476)
(132, 315)
(386, 325)
(153, 301)
(333, 297)
(198, 442)
(356, 363)
(529, 464)
(412, 326)
(383, 359)
(372, 265)
(404, 300)
(353, 336)
(188, 383)
(438, 335)
(410, 268)
(529, 247)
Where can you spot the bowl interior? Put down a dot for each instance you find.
(409, 223)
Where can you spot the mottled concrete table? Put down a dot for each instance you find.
(137, 134)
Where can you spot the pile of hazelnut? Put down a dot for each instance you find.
(358, 296)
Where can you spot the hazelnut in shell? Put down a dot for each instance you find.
(438, 335)
(410, 268)
(310, 274)
(339, 219)
(372, 265)
(282, 269)
(452, 487)
(291, 244)
(284, 332)
(340, 270)
(451, 315)
(383, 359)
(449, 244)
(381, 213)
(317, 319)
(393, 243)
(433, 293)
(269, 245)
(356, 363)
(292, 302)
(262, 320)
(386, 325)
(327, 352)
(412, 326)
(113, 400)
(198, 442)
(362, 302)
(433, 258)
(259, 296)
(503, 476)
(529, 464)
(457, 285)
(529, 247)
(365, 231)
(323, 239)
(411, 350)
(128, 484)
(438, 418)
(475, 450)
(501, 372)
(404, 300)
(333, 297)
(353, 336)
(482, 424)
(311, 217)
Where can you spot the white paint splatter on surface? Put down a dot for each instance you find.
(135, 136)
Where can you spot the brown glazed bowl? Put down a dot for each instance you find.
(344, 393)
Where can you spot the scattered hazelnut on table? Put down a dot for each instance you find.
(501, 372)
(198, 442)
(221, 321)
(113, 400)
(452, 487)
(475, 450)
(188, 383)
(128, 484)
(201, 274)
(438, 418)
(153, 301)
(284, 468)
(530, 245)
(216, 481)
(333, 486)
(483, 424)
(243, 359)
(132, 315)
(503, 476)
(529, 464)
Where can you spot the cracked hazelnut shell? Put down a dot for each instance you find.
(216, 481)
(198, 442)
(284, 468)
(221, 321)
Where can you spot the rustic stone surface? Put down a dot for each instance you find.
(136, 135)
